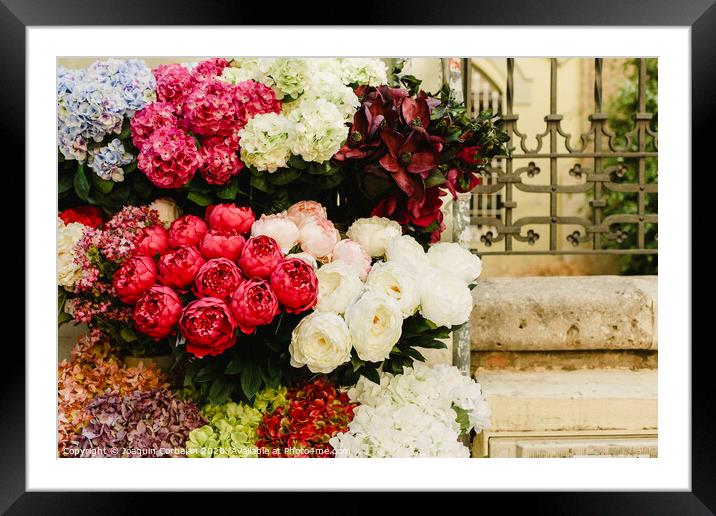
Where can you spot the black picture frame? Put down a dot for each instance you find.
(17, 15)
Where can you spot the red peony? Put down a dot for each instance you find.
(217, 278)
(230, 216)
(252, 98)
(149, 119)
(179, 267)
(134, 278)
(253, 304)
(470, 155)
(187, 230)
(295, 284)
(260, 257)
(209, 109)
(208, 327)
(157, 312)
(89, 216)
(209, 68)
(169, 157)
(218, 243)
(174, 83)
(220, 160)
(151, 241)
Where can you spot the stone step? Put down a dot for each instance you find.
(568, 313)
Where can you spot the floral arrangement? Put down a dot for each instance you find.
(94, 370)
(419, 413)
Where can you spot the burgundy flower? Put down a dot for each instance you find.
(409, 160)
(470, 155)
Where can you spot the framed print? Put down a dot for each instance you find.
(442, 244)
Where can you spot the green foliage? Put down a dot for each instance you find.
(621, 121)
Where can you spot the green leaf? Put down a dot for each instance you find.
(191, 372)
(219, 390)
(82, 186)
(250, 380)
(229, 190)
(199, 198)
(103, 185)
(64, 182)
(260, 182)
(297, 162)
(463, 418)
(371, 373)
(435, 178)
(431, 344)
(283, 176)
(357, 363)
(128, 335)
(415, 354)
(234, 367)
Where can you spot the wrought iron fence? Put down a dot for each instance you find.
(600, 163)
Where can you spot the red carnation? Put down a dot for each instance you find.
(253, 304)
(89, 216)
(217, 278)
(218, 243)
(208, 327)
(134, 278)
(187, 230)
(157, 312)
(151, 241)
(295, 285)
(260, 256)
(179, 267)
(230, 216)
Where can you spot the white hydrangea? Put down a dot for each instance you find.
(243, 69)
(288, 77)
(393, 280)
(68, 271)
(327, 84)
(319, 129)
(358, 70)
(414, 414)
(266, 141)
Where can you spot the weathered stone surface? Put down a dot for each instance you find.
(565, 313)
(603, 399)
(565, 360)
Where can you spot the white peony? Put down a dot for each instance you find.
(454, 260)
(320, 341)
(319, 130)
(167, 209)
(338, 287)
(413, 414)
(374, 233)
(266, 141)
(393, 280)
(68, 271)
(279, 227)
(406, 251)
(444, 300)
(318, 236)
(376, 323)
(310, 260)
(287, 76)
(358, 70)
(354, 254)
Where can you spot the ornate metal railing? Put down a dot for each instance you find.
(597, 162)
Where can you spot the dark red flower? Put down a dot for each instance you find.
(89, 216)
(470, 155)
(409, 159)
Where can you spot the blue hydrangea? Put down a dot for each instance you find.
(93, 102)
(107, 161)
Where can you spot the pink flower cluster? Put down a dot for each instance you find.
(205, 280)
(196, 103)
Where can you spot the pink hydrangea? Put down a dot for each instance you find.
(252, 98)
(174, 83)
(149, 119)
(209, 68)
(169, 158)
(209, 109)
(220, 160)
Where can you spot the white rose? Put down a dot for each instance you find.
(168, 210)
(279, 227)
(376, 323)
(321, 341)
(338, 287)
(374, 233)
(68, 272)
(395, 281)
(310, 260)
(406, 251)
(444, 300)
(454, 260)
(354, 254)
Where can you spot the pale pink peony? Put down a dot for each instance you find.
(354, 254)
(318, 237)
(303, 211)
(169, 158)
(279, 227)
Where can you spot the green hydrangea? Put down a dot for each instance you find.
(231, 431)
